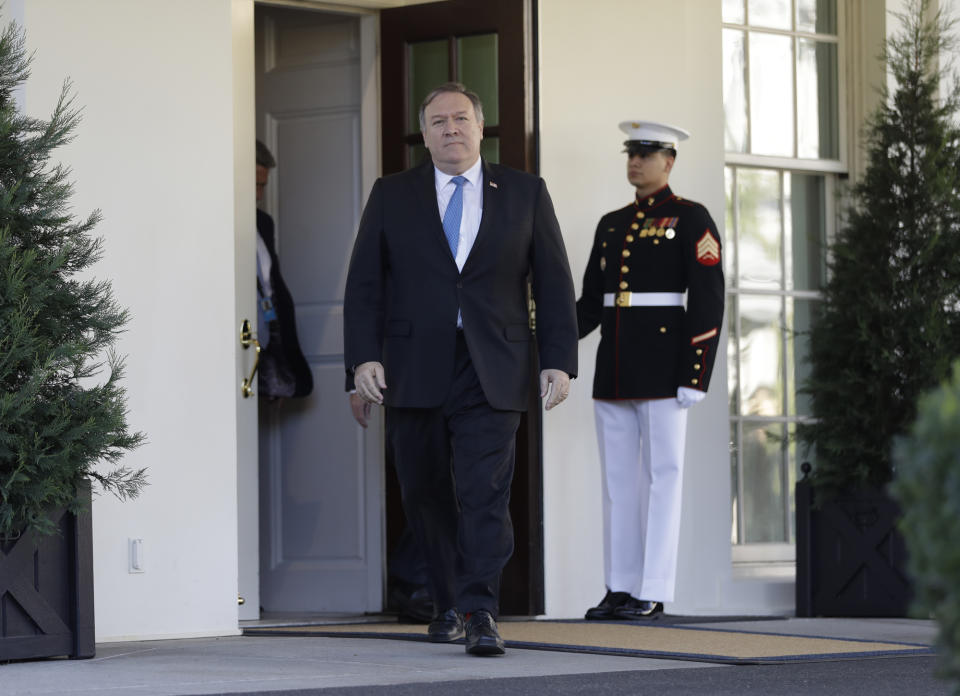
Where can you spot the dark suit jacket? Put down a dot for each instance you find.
(403, 290)
(283, 304)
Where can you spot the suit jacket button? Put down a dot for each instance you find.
(459, 284)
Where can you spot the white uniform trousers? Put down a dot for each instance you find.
(641, 454)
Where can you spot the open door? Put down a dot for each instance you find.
(321, 475)
(487, 45)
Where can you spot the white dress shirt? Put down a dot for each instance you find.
(472, 206)
(472, 210)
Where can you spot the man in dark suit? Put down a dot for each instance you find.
(436, 328)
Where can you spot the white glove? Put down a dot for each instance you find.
(687, 397)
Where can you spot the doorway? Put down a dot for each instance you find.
(324, 525)
(320, 474)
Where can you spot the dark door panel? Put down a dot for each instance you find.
(487, 45)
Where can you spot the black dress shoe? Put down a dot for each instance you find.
(607, 605)
(482, 635)
(417, 608)
(446, 627)
(638, 609)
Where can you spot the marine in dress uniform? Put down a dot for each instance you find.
(654, 286)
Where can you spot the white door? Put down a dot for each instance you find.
(320, 473)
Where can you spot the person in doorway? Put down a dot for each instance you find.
(436, 328)
(284, 371)
(654, 361)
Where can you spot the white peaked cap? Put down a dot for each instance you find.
(653, 134)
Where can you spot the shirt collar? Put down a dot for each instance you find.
(472, 175)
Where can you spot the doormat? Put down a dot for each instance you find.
(633, 640)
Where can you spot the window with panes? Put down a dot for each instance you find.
(781, 90)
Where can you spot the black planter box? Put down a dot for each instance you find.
(46, 591)
(851, 559)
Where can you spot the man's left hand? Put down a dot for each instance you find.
(557, 383)
(360, 409)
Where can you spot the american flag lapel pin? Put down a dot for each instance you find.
(493, 184)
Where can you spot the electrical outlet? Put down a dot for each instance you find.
(135, 556)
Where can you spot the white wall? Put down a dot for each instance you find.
(157, 152)
(601, 63)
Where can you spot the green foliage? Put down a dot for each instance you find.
(890, 321)
(927, 485)
(57, 424)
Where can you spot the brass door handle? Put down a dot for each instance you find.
(247, 339)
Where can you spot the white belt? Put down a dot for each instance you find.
(643, 299)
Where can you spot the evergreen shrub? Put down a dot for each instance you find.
(889, 325)
(62, 419)
(927, 486)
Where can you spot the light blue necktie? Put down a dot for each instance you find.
(451, 217)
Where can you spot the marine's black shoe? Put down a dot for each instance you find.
(634, 609)
(607, 605)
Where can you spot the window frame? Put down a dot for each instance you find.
(777, 559)
(840, 165)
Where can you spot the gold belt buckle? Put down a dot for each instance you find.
(623, 299)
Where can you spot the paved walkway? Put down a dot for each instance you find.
(282, 666)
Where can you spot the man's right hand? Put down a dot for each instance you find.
(368, 379)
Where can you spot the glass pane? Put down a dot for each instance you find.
(734, 91)
(793, 471)
(805, 231)
(770, 13)
(800, 314)
(818, 120)
(415, 153)
(790, 359)
(730, 257)
(761, 366)
(771, 95)
(734, 479)
(733, 371)
(490, 149)
(477, 69)
(763, 484)
(758, 235)
(819, 16)
(429, 66)
(733, 11)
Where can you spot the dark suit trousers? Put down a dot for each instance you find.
(455, 464)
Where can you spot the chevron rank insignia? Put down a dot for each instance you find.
(708, 250)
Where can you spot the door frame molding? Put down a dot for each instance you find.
(248, 516)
